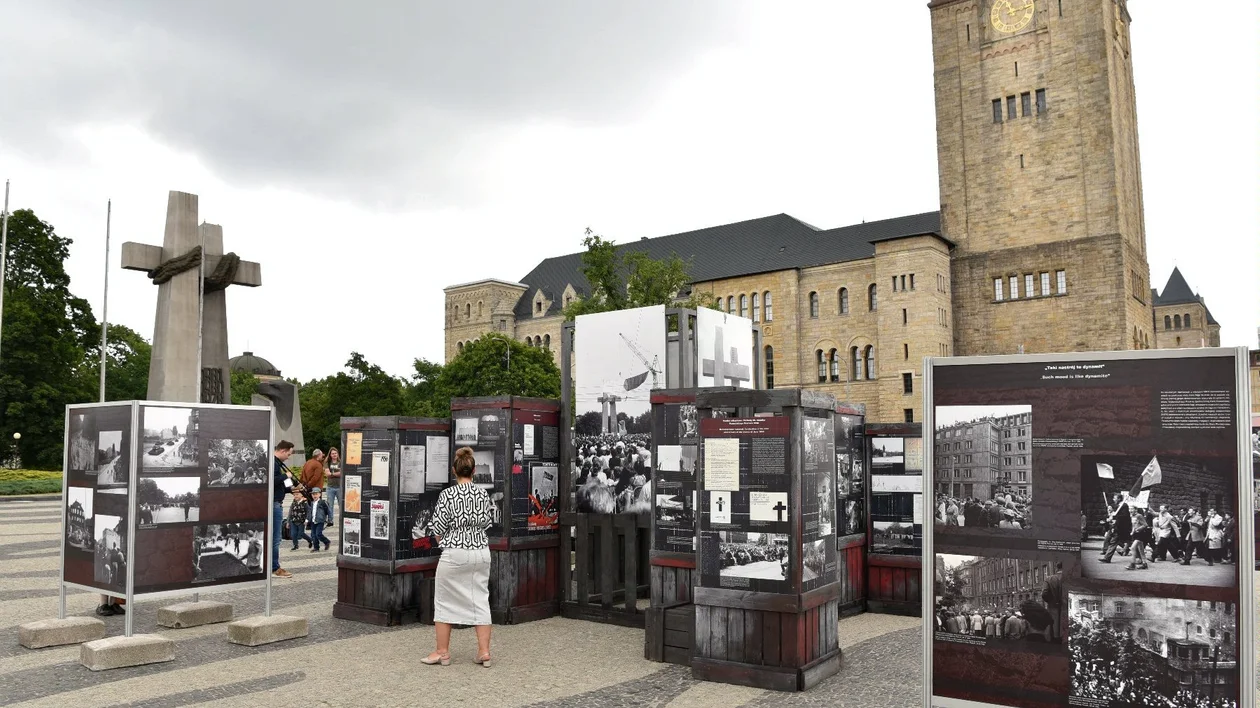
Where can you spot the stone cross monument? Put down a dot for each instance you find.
(175, 267)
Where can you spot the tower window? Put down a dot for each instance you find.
(1028, 284)
(1014, 287)
(907, 383)
(833, 358)
(1167, 321)
(756, 299)
(905, 317)
(997, 289)
(871, 301)
(769, 306)
(1041, 102)
(909, 414)
(1010, 108)
(1016, 68)
(547, 341)
(912, 281)
(997, 110)
(1060, 277)
(1025, 103)
(855, 360)
(813, 305)
(822, 366)
(870, 362)
(968, 33)
(844, 301)
(903, 282)
(1185, 321)
(905, 351)
(1045, 283)
(1176, 321)
(743, 305)
(769, 366)
(730, 305)
(894, 283)
(1021, 161)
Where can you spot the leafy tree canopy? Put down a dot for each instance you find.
(494, 365)
(621, 279)
(243, 386)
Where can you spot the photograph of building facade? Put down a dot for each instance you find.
(1039, 244)
(984, 457)
(1000, 583)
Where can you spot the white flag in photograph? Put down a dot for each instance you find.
(1105, 471)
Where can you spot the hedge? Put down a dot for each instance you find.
(14, 482)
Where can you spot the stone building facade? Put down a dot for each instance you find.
(1181, 317)
(1001, 583)
(983, 457)
(1039, 244)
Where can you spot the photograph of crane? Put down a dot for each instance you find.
(620, 358)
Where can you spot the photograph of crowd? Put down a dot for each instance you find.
(613, 473)
(1003, 602)
(854, 519)
(79, 517)
(234, 462)
(111, 463)
(1158, 519)
(983, 473)
(1152, 651)
(168, 500)
(111, 550)
(762, 556)
(227, 550)
(826, 506)
(170, 439)
(814, 559)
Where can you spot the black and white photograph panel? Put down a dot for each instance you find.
(844, 474)
(110, 534)
(1158, 519)
(170, 438)
(111, 462)
(351, 537)
(227, 550)
(768, 506)
(813, 559)
(826, 506)
(79, 525)
(1152, 651)
(82, 452)
(893, 536)
(762, 556)
(999, 602)
(669, 458)
(676, 510)
(688, 426)
(719, 507)
(465, 432)
(983, 467)
(854, 519)
(168, 500)
(886, 452)
(613, 473)
(819, 439)
(483, 469)
(235, 462)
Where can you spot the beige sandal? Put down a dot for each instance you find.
(483, 660)
(436, 658)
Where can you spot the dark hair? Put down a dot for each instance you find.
(464, 463)
(284, 445)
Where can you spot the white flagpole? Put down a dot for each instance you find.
(4, 252)
(109, 206)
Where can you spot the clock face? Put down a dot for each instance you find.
(1010, 16)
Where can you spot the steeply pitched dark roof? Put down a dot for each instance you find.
(1177, 292)
(762, 245)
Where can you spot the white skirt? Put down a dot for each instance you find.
(462, 587)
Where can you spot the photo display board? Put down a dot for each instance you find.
(818, 503)
(424, 470)
(850, 477)
(485, 430)
(674, 486)
(193, 483)
(896, 511)
(535, 472)
(1087, 511)
(745, 505)
(366, 530)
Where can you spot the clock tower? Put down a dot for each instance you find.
(1040, 182)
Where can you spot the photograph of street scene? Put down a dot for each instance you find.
(763, 556)
(983, 474)
(1001, 602)
(170, 438)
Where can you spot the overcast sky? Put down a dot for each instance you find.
(369, 154)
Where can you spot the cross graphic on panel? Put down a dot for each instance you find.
(778, 509)
(722, 370)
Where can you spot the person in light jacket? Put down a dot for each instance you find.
(462, 584)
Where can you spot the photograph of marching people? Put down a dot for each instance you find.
(227, 551)
(814, 562)
(543, 503)
(759, 556)
(983, 474)
(1158, 519)
(111, 459)
(1152, 651)
(235, 462)
(110, 533)
(79, 525)
(170, 438)
(619, 359)
(999, 602)
(168, 500)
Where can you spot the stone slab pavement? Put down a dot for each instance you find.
(554, 663)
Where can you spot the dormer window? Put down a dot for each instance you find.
(538, 307)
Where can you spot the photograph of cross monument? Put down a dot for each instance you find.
(620, 358)
(725, 346)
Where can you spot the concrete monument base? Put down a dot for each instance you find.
(253, 631)
(194, 614)
(58, 632)
(120, 652)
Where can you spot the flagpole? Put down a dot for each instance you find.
(109, 206)
(4, 252)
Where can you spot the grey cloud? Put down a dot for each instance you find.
(372, 100)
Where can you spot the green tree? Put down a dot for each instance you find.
(421, 392)
(127, 356)
(495, 365)
(243, 386)
(621, 278)
(364, 389)
(47, 332)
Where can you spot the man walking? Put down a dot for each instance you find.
(280, 485)
(313, 472)
(1122, 525)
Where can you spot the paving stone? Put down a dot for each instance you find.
(59, 632)
(121, 652)
(194, 614)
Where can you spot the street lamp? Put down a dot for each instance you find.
(17, 436)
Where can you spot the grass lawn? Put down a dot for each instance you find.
(14, 482)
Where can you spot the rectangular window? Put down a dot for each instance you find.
(1060, 277)
(997, 110)
(1041, 102)
(1025, 103)
(894, 283)
(905, 349)
(1010, 108)
(769, 307)
(912, 281)
(1028, 284)
(909, 415)
(905, 318)
(997, 288)
(1014, 287)
(907, 383)
(1045, 283)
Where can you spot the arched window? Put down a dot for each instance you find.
(813, 305)
(844, 301)
(834, 357)
(1176, 321)
(743, 305)
(547, 342)
(822, 366)
(459, 348)
(870, 362)
(1185, 320)
(730, 305)
(756, 307)
(855, 363)
(480, 309)
(769, 306)
(468, 311)
(871, 303)
(769, 366)
(1167, 322)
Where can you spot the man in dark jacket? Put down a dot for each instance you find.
(280, 485)
(1123, 526)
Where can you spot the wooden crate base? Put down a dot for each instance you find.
(670, 635)
(773, 678)
(384, 599)
(908, 609)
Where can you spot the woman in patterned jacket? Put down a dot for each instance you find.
(462, 583)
